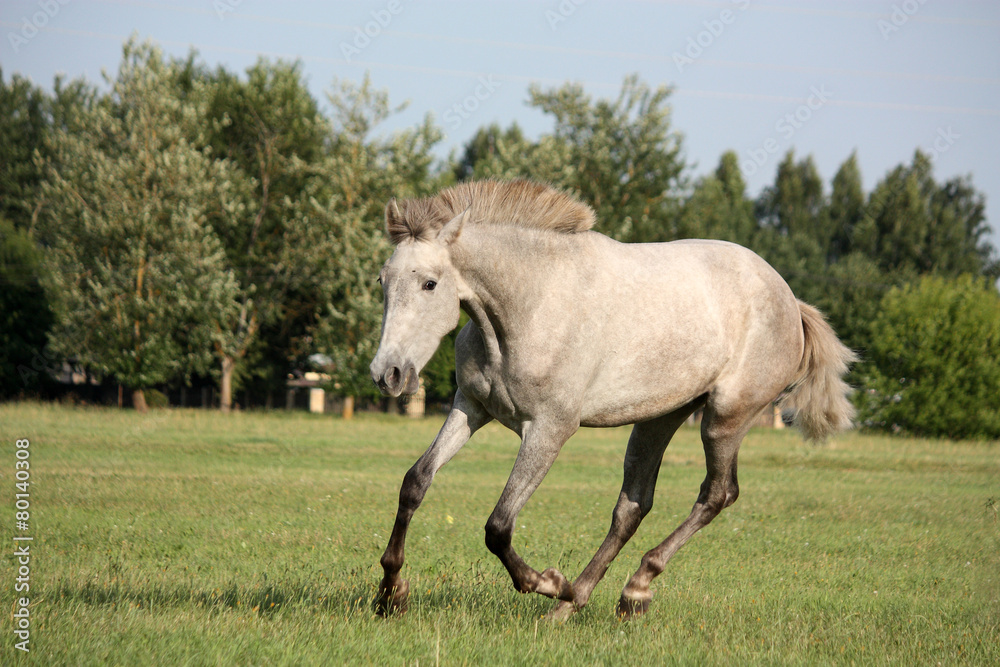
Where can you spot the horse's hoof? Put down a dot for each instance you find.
(561, 612)
(630, 608)
(392, 601)
(553, 584)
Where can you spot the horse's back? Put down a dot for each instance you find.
(709, 285)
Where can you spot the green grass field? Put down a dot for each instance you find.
(189, 537)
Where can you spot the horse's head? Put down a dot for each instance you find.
(421, 304)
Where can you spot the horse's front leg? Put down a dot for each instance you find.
(539, 447)
(466, 418)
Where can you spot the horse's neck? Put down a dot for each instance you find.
(504, 270)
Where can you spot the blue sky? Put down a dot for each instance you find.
(825, 78)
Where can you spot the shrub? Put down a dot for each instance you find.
(933, 368)
(156, 399)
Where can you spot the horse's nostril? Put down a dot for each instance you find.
(393, 377)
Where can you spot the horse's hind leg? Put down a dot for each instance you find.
(642, 465)
(721, 437)
(466, 418)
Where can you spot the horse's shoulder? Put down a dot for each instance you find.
(471, 361)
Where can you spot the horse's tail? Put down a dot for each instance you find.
(818, 396)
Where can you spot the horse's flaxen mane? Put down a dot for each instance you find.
(521, 202)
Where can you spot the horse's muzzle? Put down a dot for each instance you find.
(395, 380)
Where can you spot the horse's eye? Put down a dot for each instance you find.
(430, 285)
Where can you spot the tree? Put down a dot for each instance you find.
(718, 208)
(794, 231)
(339, 218)
(961, 232)
(136, 268)
(483, 147)
(510, 155)
(845, 208)
(270, 127)
(934, 362)
(25, 315)
(620, 155)
(913, 225)
(23, 126)
(849, 293)
(627, 160)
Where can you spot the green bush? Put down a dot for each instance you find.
(933, 368)
(156, 399)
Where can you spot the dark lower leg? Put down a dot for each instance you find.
(540, 446)
(626, 520)
(393, 590)
(636, 594)
(462, 422)
(641, 467)
(718, 491)
(550, 583)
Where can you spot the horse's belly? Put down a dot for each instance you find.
(627, 395)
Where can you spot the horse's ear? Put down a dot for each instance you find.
(393, 218)
(449, 233)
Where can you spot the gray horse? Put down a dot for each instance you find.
(570, 328)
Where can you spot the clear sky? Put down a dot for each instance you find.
(882, 77)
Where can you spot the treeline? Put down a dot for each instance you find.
(189, 222)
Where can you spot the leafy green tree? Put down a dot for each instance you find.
(718, 207)
(347, 319)
(934, 363)
(27, 118)
(25, 315)
(620, 155)
(913, 225)
(124, 220)
(796, 200)
(849, 292)
(269, 126)
(894, 228)
(483, 148)
(23, 126)
(793, 233)
(510, 155)
(627, 159)
(339, 219)
(846, 207)
(961, 232)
